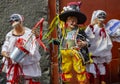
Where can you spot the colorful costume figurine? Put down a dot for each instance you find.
(113, 29)
(28, 66)
(73, 46)
(100, 46)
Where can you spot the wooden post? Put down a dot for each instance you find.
(53, 48)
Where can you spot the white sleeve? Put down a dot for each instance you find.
(6, 44)
(89, 32)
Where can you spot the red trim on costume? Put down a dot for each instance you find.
(19, 43)
(102, 30)
(86, 73)
(76, 58)
(17, 71)
(63, 77)
(97, 70)
(92, 28)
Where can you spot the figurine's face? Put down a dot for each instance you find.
(15, 20)
(71, 21)
(101, 17)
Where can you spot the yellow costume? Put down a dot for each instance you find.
(71, 59)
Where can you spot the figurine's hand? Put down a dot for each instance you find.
(36, 33)
(5, 54)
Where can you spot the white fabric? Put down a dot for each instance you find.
(92, 69)
(100, 48)
(31, 70)
(30, 62)
(99, 44)
(113, 29)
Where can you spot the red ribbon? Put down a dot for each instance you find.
(40, 23)
(16, 73)
(41, 44)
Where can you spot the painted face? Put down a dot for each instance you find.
(16, 17)
(101, 17)
(15, 20)
(71, 22)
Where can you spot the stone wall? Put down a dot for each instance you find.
(33, 11)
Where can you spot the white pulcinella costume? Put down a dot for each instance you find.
(113, 29)
(30, 63)
(100, 47)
